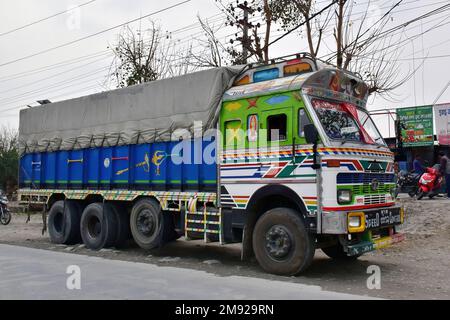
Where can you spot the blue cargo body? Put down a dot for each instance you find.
(155, 166)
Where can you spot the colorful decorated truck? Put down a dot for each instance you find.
(283, 158)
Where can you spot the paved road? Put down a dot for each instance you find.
(39, 274)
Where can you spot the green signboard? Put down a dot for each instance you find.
(417, 126)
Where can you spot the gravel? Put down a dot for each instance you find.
(418, 268)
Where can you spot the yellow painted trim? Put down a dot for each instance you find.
(362, 218)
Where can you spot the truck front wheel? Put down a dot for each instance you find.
(281, 243)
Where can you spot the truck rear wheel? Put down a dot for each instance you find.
(123, 223)
(281, 243)
(64, 222)
(146, 223)
(98, 226)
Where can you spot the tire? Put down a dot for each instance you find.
(297, 252)
(420, 194)
(123, 223)
(5, 218)
(412, 193)
(146, 224)
(98, 227)
(64, 227)
(337, 252)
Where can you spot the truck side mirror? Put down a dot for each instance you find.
(312, 137)
(311, 134)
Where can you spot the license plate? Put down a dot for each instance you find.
(383, 218)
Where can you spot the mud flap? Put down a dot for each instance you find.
(44, 219)
(247, 245)
(168, 233)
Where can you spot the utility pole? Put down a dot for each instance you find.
(245, 27)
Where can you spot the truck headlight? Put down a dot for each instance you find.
(344, 196)
(356, 222)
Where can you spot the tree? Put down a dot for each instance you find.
(9, 159)
(253, 42)
(291, 13)
(363, 47)
(140, 56)
(213, 53)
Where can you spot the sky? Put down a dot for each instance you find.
(81, 68)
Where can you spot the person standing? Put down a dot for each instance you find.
(445, 170)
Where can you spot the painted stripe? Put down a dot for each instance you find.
(355, 208)
(269, 181)
(324, 151)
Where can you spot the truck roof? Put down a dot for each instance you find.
(326, 82)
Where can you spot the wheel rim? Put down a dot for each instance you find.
(278, 242)
(146, 223)
(94, 227)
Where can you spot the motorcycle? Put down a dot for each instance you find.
(5, 214)
(430, 182)
(407, 182)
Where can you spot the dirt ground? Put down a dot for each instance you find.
(418, 268)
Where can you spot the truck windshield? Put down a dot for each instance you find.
(346, 122)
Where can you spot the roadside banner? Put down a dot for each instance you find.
(418, 122)
(442, 116)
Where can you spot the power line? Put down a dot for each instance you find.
(83, 76)
(54, 66)
(46, 18)
(181, 28)
(330, 33)
(55, 88)
(442, 93)
(303, 23)
(94, 34)
(408, 59)
(35, 91)
(64, 94)
(55, 75)
(401, 26)
(99, 53)
(102, 53)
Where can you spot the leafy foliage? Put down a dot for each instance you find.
(139, 56)
(9, 159)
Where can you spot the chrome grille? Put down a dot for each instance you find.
(374, 199)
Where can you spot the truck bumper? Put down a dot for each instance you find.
(376, 244)
(337, 222)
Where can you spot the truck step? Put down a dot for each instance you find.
(206, 225)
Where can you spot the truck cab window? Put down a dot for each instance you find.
(233, 134)
(303, 120)
(277, 128)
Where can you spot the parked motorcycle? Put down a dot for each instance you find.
(430, 182)
(5, 214)
(407, 182)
